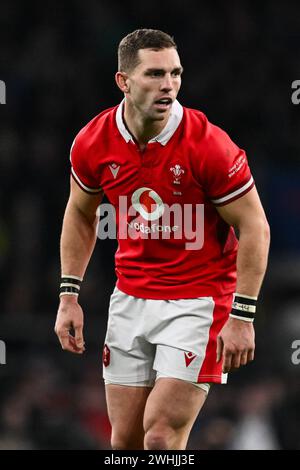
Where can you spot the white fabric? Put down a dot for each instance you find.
(234, 193)
(146, 336)
(165, 135)
(147, 383)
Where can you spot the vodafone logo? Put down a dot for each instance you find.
(147, 203)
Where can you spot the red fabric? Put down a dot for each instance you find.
(199, 164)
(211, 371)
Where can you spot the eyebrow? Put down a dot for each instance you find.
(176, 69)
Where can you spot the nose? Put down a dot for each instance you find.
(167, 84)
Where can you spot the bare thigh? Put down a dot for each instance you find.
(126, 406)
(171, 410)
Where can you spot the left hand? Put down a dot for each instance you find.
(235, 344)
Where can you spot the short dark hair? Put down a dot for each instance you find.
(128, 48)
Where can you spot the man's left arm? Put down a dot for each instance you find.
(236, 339)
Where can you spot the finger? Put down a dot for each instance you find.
(244, 358)
(250, 355)
(68, 343)
(236, 360)
(73, 345)
(219, 348)
(63, 339)
(227, 360)
(79, 337)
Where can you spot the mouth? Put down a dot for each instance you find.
(163, 103)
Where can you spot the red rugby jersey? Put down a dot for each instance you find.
(192, 164)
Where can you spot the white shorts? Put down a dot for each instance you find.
(147, 339)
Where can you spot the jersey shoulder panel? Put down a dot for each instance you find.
(96, 129)
(87, 147)
(195, 125)
(211, 138)
(221, 166)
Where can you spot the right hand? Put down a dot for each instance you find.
(70, 316)
(235, 344)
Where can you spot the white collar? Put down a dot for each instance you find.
(167, 132)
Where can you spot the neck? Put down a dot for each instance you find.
(142, 129)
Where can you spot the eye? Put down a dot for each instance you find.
(157, 73)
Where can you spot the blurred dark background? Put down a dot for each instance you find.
(58, 61)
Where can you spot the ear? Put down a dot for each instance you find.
(122, 81)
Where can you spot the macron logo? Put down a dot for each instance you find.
(189, 357)
(114, 168)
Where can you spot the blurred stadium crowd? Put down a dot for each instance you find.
(58, 60)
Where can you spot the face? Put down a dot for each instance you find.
(154, 84)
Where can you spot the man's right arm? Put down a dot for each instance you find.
(78, 240)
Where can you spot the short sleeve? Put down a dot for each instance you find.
(225, 171)
(82, 170)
